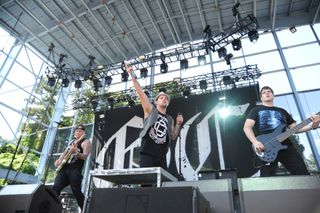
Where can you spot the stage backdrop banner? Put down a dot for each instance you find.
(209, 141)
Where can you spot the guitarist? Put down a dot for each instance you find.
(265, 118)
(70, 173)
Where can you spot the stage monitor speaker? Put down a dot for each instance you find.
(147, 200)
(33, 198)
(217, 192)
(294, 194)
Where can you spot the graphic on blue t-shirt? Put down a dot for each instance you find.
(269, 120)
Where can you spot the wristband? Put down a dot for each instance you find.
(133, 75)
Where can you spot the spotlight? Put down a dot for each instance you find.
(124, 76)
(228, 57)
(108, 80)
(51, 81)
(164, 68)
(163, 90)
(203, 84)
(222, 52)
(143, 73)
(293, 29)
(65, 82)
(131, 103)
(236, 44)
(201, 60)
(227, 80)
(111, 102)
(147, 93)
(186, 45)
(184, 64)
(61, 57)
(96, 84)
(253, 35)
(78, 84)
(94, 103)
(186, 92)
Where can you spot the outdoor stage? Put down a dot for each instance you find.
(294, 194)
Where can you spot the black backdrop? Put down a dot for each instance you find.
(117, 131)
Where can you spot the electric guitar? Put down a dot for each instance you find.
(68, 156)
(272, 141)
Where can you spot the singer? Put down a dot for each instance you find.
(158, 127)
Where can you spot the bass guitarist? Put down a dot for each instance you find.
(70, 165)
(265, 119)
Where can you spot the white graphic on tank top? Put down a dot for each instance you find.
(158, 132)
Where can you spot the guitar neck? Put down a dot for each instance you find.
(293, 130)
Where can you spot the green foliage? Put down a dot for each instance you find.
(6, 158)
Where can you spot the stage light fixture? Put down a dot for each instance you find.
(96, 84)
(51, 81)
(201, 60)
(78, 84)
(124, 76)
(227, 80)
(143, 73)
(147, 93)
(108, 80)
(253, 36)
(186, 92)
(293, 29)
(222, 52)
(131, 103)
(111, 102)
(228, 58)
(184, 64)
(94, 104)
(203, 84)
(236, 44)
(163, 90)
(65, 82)
(164, 68)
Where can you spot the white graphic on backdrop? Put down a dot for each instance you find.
(203, 138)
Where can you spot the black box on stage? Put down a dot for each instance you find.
(33, 198)
(220, 174)
(294, 194)
(218, 193)
(148, 200)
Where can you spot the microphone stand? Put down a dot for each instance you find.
(179, 147)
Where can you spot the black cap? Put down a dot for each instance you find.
(81, 126)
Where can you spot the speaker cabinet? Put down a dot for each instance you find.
(294, 194)
(147, 200)
(217, 192)
(33, 198)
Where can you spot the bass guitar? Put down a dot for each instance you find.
(68, 156)
(272, 142)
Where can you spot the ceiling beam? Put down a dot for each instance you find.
(165, 19)
(254, 8)
(203, 22)
(217, 9)
(153, 23)
(31, 33)
(172, 20)
(95, 44)
(65, 30)
(184, 19)
(273, 13)
(123, 31)
(143, 35)
(316, 14)
(290, 7)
